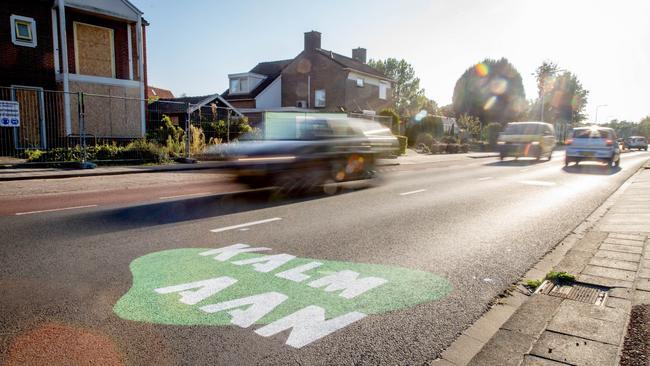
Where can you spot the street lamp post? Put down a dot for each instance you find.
(598, 106)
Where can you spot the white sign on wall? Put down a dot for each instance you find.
(9, 114)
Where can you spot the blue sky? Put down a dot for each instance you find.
(194, 45)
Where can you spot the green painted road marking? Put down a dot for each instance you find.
(155, 296)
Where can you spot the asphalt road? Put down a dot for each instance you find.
(399, 269)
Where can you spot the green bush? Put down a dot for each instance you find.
(33, 155)
(389, 112)
(493, 130)
(147, 151)
(424, 138)
(433, 125)
(403, 142)
(453, 148)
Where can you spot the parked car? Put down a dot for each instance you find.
(527, 139)
(593, 144)
(636, 142)
(310, 153)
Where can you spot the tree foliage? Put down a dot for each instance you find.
(565, 99)
(471, 125)
(492, 91)
(644, 127)
(390, 112)
(408, 97)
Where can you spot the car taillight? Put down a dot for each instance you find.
(609, 142)
(568, 141)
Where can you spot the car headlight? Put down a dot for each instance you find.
(535, 143)
(501, 142)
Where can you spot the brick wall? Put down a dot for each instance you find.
(22, 65)
(366, 97)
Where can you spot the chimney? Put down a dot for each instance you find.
(359, 54)
(312, 40)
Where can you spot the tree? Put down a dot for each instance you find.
(565, 99)
(407, 94)
(644, 127)
(447, 111)
(471, 125)
(492, 91)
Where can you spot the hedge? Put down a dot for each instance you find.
(403, 142)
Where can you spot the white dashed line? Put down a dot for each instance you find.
(184, 195)
(540, 183)
(485, 178)
(412, 192)
(245, 225)
(54, 209)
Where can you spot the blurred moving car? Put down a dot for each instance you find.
(593, 144)
(636, 142)
(527, 139)
(311, 152)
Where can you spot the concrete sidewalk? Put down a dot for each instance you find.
(583, 323)
(11, 174)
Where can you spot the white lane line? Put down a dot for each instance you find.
(524, 170)
(184, 195)
(54, 209)
(245, 225)
(540, 183)
(484, 178)
(412, 192)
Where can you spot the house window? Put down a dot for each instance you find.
(383, 90)
(320, 98)
(94, 51)
(360, 83)
(238, 85)
(23, 31)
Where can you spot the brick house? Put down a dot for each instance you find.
(315, 80)
(52, 49)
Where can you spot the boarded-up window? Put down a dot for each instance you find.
(94, 52)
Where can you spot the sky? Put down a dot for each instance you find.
(192, 46)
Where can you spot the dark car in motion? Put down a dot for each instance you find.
(310, 152)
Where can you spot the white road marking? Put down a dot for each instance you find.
(485, 178)
(184, 195)
(412, 192)
(245, 225)
(540, 183)
(54, 209)
(524, 170)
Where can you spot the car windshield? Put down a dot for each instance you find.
(589, 133)
(524, 129)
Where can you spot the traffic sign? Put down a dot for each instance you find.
(9, 114)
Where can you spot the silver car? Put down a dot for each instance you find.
(593, 144)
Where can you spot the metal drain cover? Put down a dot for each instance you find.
(577, 291)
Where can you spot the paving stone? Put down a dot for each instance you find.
(590, 241)
(604, 281)
(574, 261)
(533, 316)
(644, 273)
(643, 284)
(574, 350)
(630, 257)
(538, 361)
(484, 328)
(614, 273)
(627, 236)
(462, 350)
(618, 303)
(505, 348)
(614, 263)
(615, 241)
(641, 297)
(621, 248)
(441, 362)
(645, 263)
(622, 293)
(599, 323)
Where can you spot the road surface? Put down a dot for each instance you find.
(385, 275)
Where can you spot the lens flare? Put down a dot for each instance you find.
(481, 69)
(490, 102)
(498, 85)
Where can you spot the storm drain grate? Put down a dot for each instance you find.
(577, 291)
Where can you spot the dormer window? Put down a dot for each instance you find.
(245, 82)
(239, 85)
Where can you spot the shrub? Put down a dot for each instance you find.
(452, 148)
(493, 130)
(146, 150)
(33, 155)
(464, 148)
(442, 148)
(403, 142)
(433, 125)
(424, 138)
(389, 112)
(197, 143)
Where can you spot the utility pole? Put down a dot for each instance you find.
(598, 106)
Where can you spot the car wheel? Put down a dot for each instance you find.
(610, 162)
(567, 161)
(550, 155)
(501, 157)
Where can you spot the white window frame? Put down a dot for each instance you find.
(360, 82)
(76, 48)
(383, 90)
(320, 102)
(32, 28)
(244, 83)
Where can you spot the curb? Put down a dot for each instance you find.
(509, 331)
